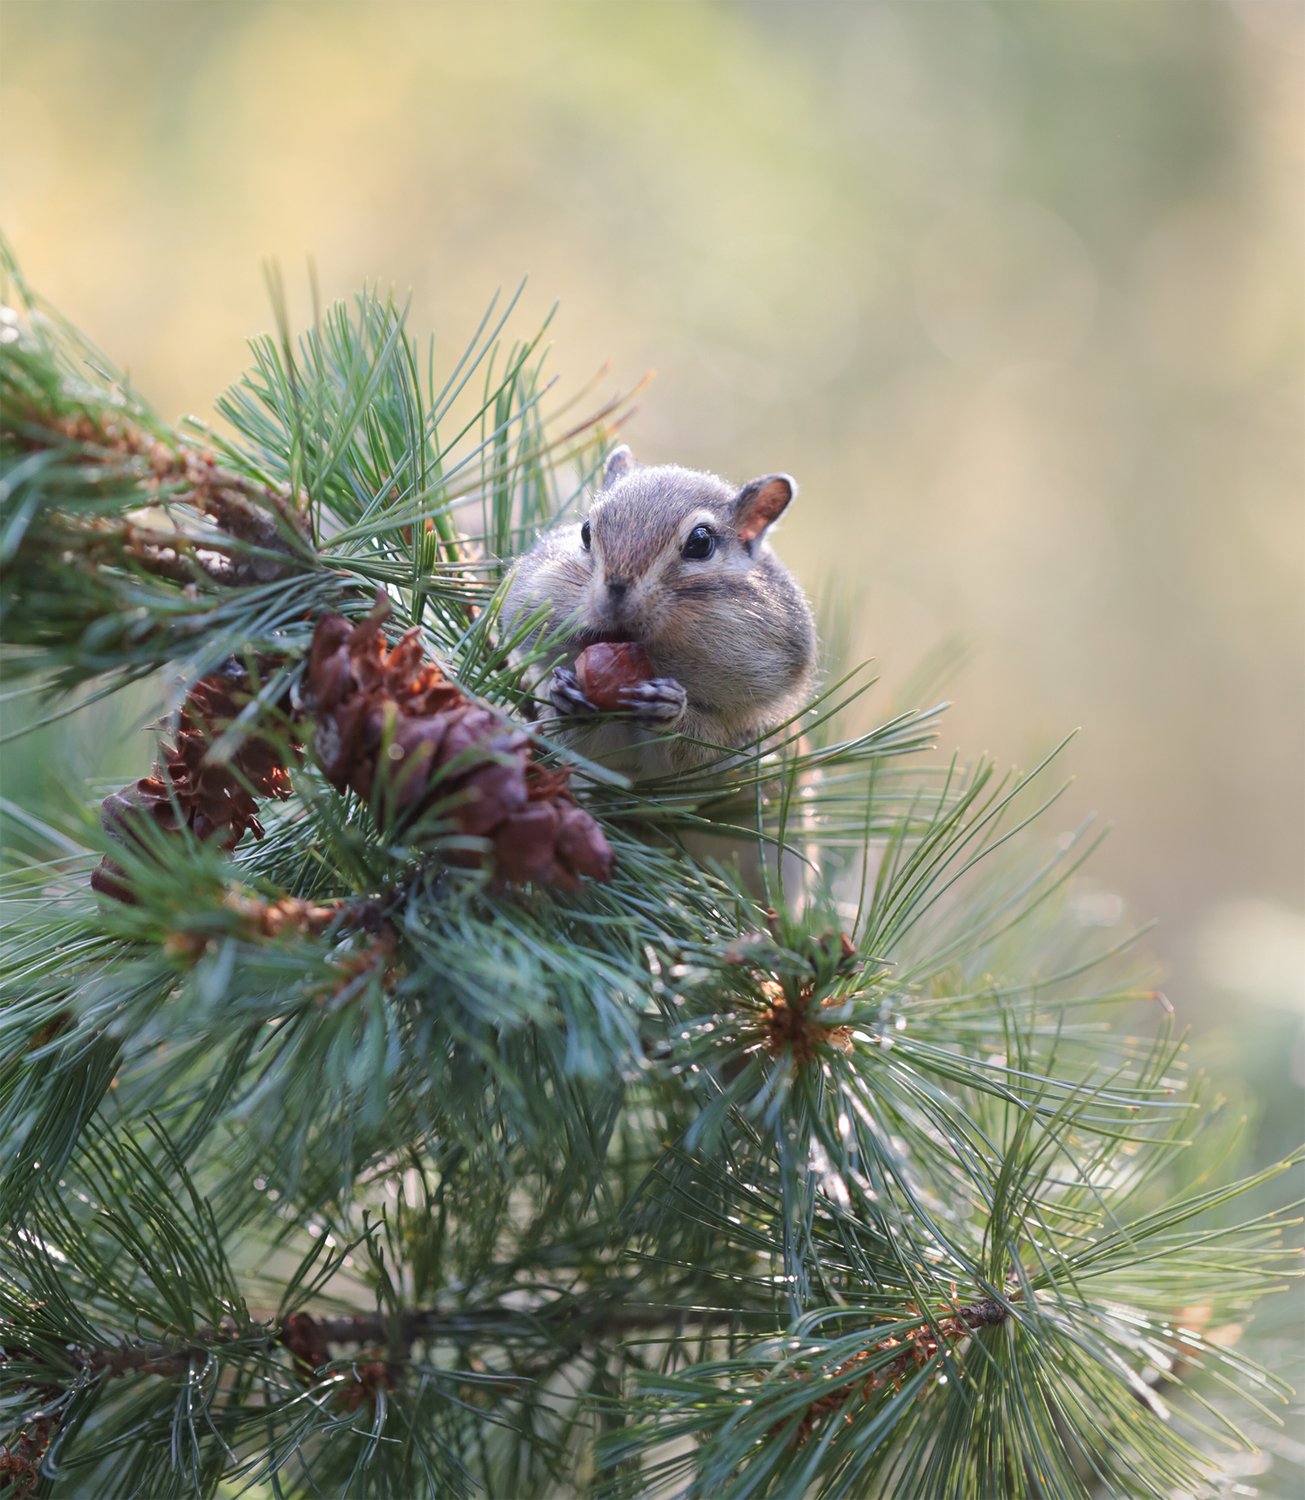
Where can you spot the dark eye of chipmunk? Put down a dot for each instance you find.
(585, 536)
(700, 543)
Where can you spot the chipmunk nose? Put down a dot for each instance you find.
(617, 586)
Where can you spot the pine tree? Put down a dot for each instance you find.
(391, 1106)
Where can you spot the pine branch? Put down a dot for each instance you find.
(261, 520)
(309, 1339)
(608, 1186)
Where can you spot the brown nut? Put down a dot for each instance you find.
(606, 669)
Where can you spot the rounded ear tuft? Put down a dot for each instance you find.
(619, 463)
(760, 503)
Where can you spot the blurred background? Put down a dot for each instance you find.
(1014, 289)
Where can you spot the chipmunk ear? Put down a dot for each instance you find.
(619, 463)
(760, 503)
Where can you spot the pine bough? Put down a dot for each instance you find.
(390, 1106)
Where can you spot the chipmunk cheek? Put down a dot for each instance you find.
(567, 589)
(670, 636)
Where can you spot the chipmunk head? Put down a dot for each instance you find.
(663, 544)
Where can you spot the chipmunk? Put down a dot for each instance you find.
(677, 561)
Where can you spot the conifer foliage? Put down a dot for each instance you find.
(392, 1105)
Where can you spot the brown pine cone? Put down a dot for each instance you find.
(389, 712)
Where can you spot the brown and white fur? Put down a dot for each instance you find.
(730, 634)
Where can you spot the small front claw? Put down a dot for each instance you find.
(565, 695)
(661, 701)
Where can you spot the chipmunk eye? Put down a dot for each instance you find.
(700, 543)
(585, 536)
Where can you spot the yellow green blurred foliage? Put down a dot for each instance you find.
(1014, 290)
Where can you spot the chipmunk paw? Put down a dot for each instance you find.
(565, 695)
(661, 701)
